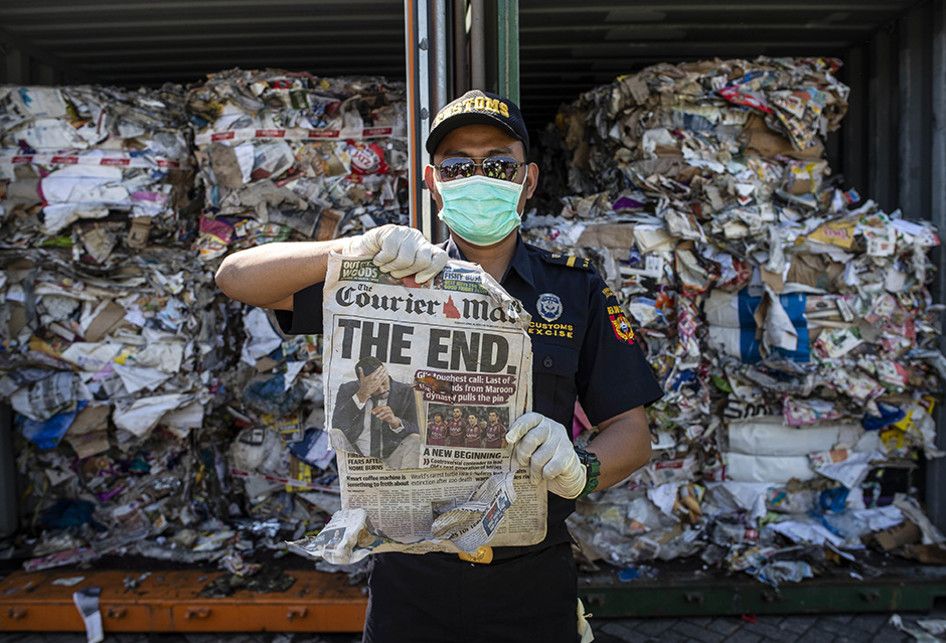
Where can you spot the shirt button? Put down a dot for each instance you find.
(547, 362)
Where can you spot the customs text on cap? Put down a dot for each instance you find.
(477, 107)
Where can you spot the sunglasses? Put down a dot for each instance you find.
(495, 167)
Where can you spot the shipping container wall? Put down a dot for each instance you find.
(21, 67)
(17, 66)
(888, 138)
(893, 146)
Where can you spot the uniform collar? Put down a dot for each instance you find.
(520, 259)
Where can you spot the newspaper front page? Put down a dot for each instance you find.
(421, 383)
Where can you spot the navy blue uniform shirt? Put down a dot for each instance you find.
(583, 345)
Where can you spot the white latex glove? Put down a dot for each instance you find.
(400, 251)
(544, 446)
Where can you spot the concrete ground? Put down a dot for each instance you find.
(837, 628)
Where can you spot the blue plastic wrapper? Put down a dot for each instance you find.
(47, 434)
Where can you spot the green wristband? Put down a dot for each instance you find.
(592, 469)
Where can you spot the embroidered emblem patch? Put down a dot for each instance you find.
(622, 328)
(549, 307)
(619, 323)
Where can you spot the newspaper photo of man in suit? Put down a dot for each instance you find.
(377, 416)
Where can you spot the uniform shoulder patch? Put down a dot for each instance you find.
(569, 261)
(619, 322)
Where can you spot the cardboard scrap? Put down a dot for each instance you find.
(889, 539)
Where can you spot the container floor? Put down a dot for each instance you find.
(680, 601)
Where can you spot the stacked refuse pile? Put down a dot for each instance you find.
(108, 335)
(154, 416)
(286, 155)
(100, 170)
(789, 320)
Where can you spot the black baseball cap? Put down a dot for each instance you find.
(477, 107)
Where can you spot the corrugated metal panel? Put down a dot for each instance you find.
(566, 47)
(145, 42)
(936, 472)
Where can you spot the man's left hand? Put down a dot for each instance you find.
(544, 446)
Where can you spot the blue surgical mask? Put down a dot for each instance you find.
(481, 210)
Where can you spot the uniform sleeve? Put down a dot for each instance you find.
(305, 318)
(613, 374)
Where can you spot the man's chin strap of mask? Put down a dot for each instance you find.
(479, 209)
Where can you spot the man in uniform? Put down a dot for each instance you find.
(583, 348)
(456, 428)
(495, 431)
(437, 431)
(474, 435)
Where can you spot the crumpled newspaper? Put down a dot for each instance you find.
(350, 537)
(319, 157)
(924, 630)
(115, 162)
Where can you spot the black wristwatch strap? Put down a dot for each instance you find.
(592, 469)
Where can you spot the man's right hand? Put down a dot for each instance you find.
(401, 251)
(368, 385)
(386, 415)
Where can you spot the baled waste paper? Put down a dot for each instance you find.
(788, 317)
(154, 416)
